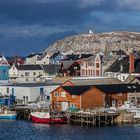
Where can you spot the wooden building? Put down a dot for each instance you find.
(91, 96)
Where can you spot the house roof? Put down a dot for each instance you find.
(41, 56)
(131, 78)
(119, 52)
(76, 56)
(116, 66)
(124, 63)
(76, 90)
(29, 67)
(119, 88)
(108, 89)
(33, 54)
(54, 55)
(32, 84)
(137, 66)
(96, 81)
(50, 68)
(15, 60)
(67, 64)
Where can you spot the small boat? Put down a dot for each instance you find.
(47, 117)
(8, 115)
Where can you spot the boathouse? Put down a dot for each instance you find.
(91, 96)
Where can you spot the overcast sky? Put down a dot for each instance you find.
(30, 25)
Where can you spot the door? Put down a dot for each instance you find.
(113, 104)
(64, 106)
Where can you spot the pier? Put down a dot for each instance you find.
(93, 119)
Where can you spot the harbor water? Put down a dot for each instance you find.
(26, 130)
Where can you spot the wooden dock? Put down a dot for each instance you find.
(94, 119)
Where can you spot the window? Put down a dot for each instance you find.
(134, 86)
(129, 87)
(97, 65)
(72, 105)
(56, 94)
(27, 98)
(120, 103)
(75, 67)
(4, 71)
(41, 90)
(86, 65)
(12, 91)
(88, 72)
(120, 94)
(97, 72)
(7, 90)
(83, 72)
(26, 73)
(73, 96)
(34, 73)
(48, 98)
(123, 77)
(34, 79)
(63, 94)
(27, 79)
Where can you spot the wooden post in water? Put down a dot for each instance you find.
(99, 120)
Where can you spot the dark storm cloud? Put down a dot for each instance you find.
(22, 12)
(31, 22)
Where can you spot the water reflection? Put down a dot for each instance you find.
(26, 130)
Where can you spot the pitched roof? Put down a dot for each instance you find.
(137, 66)
(32, 55)
(119, 52)
(67, 64)
(50, 68)
(122, 65)
(42, 56)
(119, 88)
(76, 56)
(95, 81)
(54, 55)
(76, 90)
(131, 78)
(116, 66)
(29, 67)
(108, 89)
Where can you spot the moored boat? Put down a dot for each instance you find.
(8, 115)
(47, 117)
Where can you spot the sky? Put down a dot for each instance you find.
(29, 26)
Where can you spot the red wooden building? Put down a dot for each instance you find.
(90, 96)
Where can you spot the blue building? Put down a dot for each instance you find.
(4, 69)
(56, 57)
(4, 72)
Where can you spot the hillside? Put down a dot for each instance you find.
(93, 42)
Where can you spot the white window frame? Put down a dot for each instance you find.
(56, 94)
(73, 96)
(63, 94)
(120, 94)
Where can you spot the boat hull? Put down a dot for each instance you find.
(48, 120)
(8, 116)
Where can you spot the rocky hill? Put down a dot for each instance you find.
(93, 42)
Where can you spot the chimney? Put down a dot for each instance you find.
(131, 62)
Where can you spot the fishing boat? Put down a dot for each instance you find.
(8, 115)
(48, 117)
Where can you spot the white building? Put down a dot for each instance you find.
(43, 59)
(26, 74)
(32, 58)
(28, 92)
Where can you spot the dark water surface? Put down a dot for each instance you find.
(26, 130)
